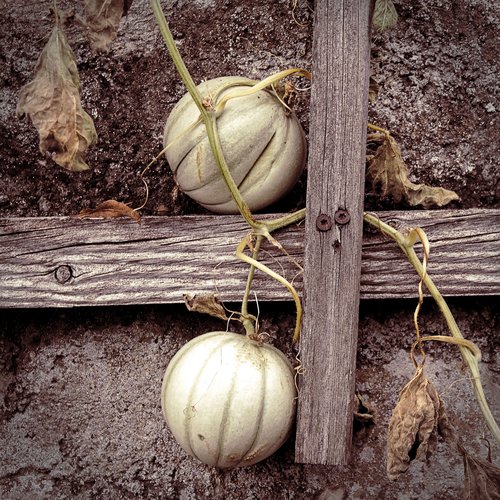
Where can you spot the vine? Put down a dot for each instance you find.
(261, 229)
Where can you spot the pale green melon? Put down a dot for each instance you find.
(263, 145)
(228, 400)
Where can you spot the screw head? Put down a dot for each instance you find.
(323, 222)
(342, 217)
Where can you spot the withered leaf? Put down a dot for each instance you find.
(52, 100)
(363, 417)
(362, 412)
(110, 209)
(481, 478)
(103, 19)
(412, 432)
(385, 16)
(205, 304)
(373, 90)
(388, 171)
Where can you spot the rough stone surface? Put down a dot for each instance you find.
(79, 389)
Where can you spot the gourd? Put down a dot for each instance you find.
(229, 400)
(263, 144)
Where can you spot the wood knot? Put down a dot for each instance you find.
(63, 273)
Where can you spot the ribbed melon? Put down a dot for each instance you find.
(264, 147)
(228, 400)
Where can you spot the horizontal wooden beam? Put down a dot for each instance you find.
(65, 262)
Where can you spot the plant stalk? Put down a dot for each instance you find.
(177, 58)
(208, 116)
(468, 356)
(247, 319)
(262, 267)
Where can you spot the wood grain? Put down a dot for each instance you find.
(117, 262)
(332, 263)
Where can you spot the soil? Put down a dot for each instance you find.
(81, 414)
(80, 388)
(437, 71)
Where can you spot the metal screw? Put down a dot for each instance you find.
(323, 222)
(342, 217)
(63, 273)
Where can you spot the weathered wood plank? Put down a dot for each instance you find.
(333, 230)
(121, 262)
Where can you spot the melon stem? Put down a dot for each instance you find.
(249, 321)
(262, 267)
(209, 119)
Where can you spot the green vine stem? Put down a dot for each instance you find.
(451, 340)
(209, 117)
(469, 356)
(176, 57)
(262, 267)
(411, 239)
(249, 320)
(264, 228)
(379, 129)
(267, 82)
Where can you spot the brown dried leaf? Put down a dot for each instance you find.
(373, 90)
(481, 478)
(205, 304)
(52, 100)
(363, 417)
(110, 209)
(362, 412)
(428, 197)
(103, 19)
(412, 432)
(388, 171)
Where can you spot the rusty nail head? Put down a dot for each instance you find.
(323, 222)
(63, 273)
(342, 217)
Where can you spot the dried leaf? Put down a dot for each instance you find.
(388, 171)
(481, 478)
(412, 432)
(103, 19)
(362, 413)
(363, 417)
(110, 209)
(205, 304)
(428, 197)
(385, 16)
(373, 89)
(52, 100)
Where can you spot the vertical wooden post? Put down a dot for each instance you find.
(339, 107)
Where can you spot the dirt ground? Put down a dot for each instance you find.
(79, 388)
(81, 415)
